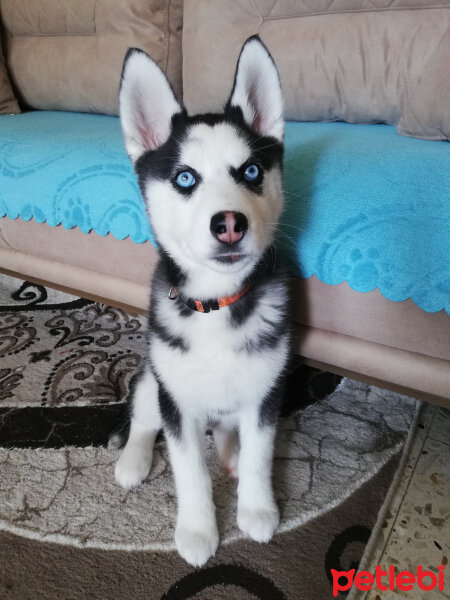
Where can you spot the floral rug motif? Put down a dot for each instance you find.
(59, 351)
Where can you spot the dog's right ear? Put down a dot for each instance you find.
(147, 104)
(257, 90)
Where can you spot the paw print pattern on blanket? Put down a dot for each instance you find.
(76, 202)
(365, 269)
(390, 251)
(77, 213)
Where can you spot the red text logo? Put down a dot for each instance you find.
(388, 580)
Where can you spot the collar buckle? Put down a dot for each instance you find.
(173, 293)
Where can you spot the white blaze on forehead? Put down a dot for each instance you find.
(213, 149)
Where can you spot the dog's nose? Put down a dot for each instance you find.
(229, 227)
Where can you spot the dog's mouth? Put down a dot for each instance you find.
(229, 258)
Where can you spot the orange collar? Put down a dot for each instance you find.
(208, 305)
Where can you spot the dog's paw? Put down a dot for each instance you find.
(258, 523)
(231, 465)
(133, 466)
(196, 546)
(227, 445)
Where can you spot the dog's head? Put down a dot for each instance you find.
(212, 183)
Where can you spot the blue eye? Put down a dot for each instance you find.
(251, 173)
(185, 179)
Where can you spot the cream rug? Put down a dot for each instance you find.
(68, 531)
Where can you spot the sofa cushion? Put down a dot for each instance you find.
(363, 205)
(427, 111)
(350, 60)
(334, 308)
(69, 55)
(8, 102)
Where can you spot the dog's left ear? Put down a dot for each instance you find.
(257, 90)
(147, 104)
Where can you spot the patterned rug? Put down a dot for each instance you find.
(68, 531)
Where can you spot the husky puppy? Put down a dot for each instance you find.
(219, 326)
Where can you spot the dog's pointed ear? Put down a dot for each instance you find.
(147, 104)
(257, 90)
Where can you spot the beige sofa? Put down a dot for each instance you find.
(394, 344)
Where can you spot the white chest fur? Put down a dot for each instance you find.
(218, 373)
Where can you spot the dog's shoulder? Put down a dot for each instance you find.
(269, 289)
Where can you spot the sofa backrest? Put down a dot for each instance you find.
(353, 60)
(360, 61)
(8, 102)
(68, 54)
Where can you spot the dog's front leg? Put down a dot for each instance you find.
(135, 461)
(196, 535)
(257, 513)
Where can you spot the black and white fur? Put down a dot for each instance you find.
(225, 368)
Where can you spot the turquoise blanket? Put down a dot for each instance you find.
(70, 168)
(363, 205)
(367, 206)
